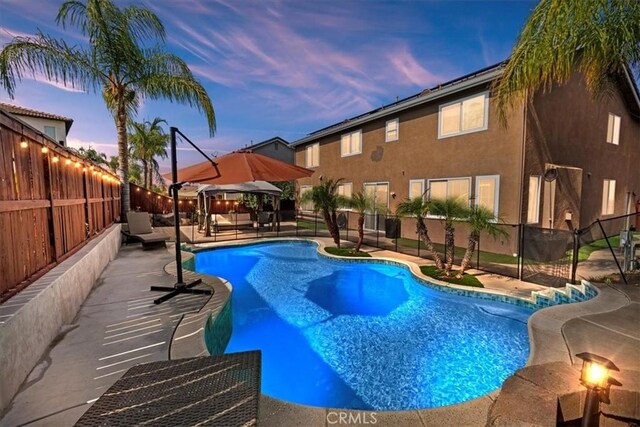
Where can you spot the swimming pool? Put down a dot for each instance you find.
(363, 335)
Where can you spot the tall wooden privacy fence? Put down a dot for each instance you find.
(51, 203)
(144, 200)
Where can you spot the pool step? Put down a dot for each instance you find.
(570, 293)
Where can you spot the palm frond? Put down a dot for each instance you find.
(54, 59)
(416, 207)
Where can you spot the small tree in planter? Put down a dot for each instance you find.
(325, 198)
(418, 209)
(449, 210)
(480, 219)
(361, 203)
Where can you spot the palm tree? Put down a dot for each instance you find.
(361, 203)
(93, 155)
(325, 199)
(418, 209)
(599, 38)
(480, 219)
(449, 211)
(148, 140)
(125, 59)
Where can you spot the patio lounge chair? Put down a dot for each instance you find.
(139, 229)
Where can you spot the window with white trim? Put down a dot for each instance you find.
(308, 205)
(50, 131)
(613, 129)
(464, 116)
(608, 196)
(450, 188)
(533, 203)
(351, 143)
(345, 189)
(416, 188)
(392, 130)
(488, 192)
(312, 155)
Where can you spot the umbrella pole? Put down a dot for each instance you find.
(180, 287)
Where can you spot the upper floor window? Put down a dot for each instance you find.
(50, 131)
(488, 192)
(392, 130)
(608, 196)
(312, 158)
(351, 143)
(613, 129)
(464, 116)
(416, 188)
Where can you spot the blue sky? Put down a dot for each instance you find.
(284, 68)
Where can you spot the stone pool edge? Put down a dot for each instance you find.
(190, 332)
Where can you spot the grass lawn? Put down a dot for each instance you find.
(346, 252)
(467, 279)
(310, 225)
(585, 251)
(485, 257)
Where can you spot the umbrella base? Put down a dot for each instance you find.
(177, 289)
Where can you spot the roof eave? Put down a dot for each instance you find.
(458, 87)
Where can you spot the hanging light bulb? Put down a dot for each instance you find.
(84, 169)
(24, 143)
(67, 162)
(44, 150)
(77, 165)
(55, 159)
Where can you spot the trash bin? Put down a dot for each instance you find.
(392, 228)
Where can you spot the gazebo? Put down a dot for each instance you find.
(259, 188)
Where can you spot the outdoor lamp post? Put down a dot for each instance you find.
(595, 377)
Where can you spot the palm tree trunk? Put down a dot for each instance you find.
(423, 234)
(336, 229)
(145, 173)
(151, 173)
(360, 231)
(123, 156)
(331, 227)
(449, 242)
(471, 247)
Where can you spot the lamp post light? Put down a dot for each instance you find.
(595, 377)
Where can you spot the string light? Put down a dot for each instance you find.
(138, 189)
(84, 169)
(24, 144)
(77, 164)
(95, 172)
(55, 159)
(44, 150)
(67, 162)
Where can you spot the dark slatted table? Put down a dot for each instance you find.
(202, 391)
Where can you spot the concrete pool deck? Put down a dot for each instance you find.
(62, 386)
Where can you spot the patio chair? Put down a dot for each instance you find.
(139, 229)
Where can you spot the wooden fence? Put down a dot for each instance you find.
(144, 200)
(52, 202)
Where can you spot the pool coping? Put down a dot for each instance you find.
(546, 340)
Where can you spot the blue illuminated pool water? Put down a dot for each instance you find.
(363, 335)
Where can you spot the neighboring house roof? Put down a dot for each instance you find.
(22, 111)
(483, 76)
(269, 141)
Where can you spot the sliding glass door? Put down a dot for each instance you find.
(379, 192)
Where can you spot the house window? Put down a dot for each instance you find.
(313, 155)
(608, 196)
(345, 189)
(416, 188)
(533, 205)
(392, 130)
(450, 188)
(305, 206)
(50, 131)
(465, 116)
(488, 192)
(351, 143)
(613, 129)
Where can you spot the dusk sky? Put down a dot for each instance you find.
(283, 68)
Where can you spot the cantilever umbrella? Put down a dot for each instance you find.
(242, 166)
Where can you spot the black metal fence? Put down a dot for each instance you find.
(545, 256)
